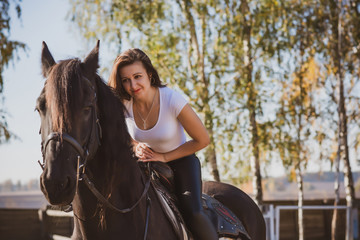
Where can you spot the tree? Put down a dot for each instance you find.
(182, 37)
(341, 48)
(8, 51)
(296, 115)
(247, 21)
(243, 29)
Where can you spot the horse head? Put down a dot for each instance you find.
(70, 129)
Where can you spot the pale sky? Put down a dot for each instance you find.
(42, 20)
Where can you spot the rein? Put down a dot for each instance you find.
(82, 160)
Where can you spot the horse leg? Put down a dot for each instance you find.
(241, 205)
(76, 235)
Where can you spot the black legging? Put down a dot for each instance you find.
(188, 188)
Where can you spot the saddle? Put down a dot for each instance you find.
(226, 223)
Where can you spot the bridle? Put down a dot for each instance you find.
(84, 156)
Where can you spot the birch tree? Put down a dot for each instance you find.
(296, 115)
(343, 58)
(182, 39)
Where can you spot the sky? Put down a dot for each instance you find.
(41, 20)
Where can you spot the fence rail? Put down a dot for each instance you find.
(47, 229)
(272, 218)
(58, 237)
(281, 220)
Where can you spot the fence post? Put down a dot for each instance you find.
(277, 218)
(348, 229)
(271, 211)
(355, 223)
(43, 223)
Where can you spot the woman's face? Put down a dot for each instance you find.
(135, 79)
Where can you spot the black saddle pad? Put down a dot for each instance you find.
(226, 222)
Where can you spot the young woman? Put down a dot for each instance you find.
(156, 118)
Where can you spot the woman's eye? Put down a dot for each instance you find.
(137, 76)
(124, 80)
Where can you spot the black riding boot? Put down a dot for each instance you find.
(188, 188)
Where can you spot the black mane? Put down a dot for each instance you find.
(115, 147)
(63, 90)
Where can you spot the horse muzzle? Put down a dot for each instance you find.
(59, 190)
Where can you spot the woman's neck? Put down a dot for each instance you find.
(147, 100)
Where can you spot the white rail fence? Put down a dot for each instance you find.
(272, 219)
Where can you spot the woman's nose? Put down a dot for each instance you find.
(132, 83)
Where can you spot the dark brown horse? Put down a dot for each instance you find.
(89, 162)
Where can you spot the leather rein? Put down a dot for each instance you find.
(83, 157)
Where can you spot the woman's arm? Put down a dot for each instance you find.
(195, 129)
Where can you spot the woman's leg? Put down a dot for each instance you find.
(187, 177)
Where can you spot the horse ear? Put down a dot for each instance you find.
(92, 60)
(47, 60)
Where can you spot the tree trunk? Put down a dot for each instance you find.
(251, 103)
(299, 177)
(255, 162)
(299, 180)
(210, 153)
(336, 12)
(344, 156)
(337, 196)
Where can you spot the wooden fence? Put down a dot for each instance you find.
(29, 224)
(34, 224)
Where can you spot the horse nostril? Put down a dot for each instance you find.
(65, 184)
(60, 185)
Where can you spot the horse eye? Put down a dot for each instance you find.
(39, 131)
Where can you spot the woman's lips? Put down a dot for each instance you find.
(136, 91)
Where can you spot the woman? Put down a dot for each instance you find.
(156, 118)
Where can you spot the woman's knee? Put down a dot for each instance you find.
(195, 217)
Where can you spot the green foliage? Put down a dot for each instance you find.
(270, 59)
(8, 53)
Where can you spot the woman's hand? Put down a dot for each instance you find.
(145, 154)
(142, 151)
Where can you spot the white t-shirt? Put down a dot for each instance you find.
(168, 133)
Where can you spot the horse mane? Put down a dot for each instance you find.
(116, 140)
(64, 90)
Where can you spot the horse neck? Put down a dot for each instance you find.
(127, 182)
(113, 169)
(127, 188)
